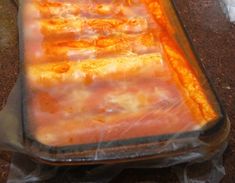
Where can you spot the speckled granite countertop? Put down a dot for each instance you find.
(213, 38)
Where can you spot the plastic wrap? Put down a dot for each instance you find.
(211, 170)
(229, 9)
(106, 82)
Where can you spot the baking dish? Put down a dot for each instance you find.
(103, 85)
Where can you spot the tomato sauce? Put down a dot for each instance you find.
(107, 70)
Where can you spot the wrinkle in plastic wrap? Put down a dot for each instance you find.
(107, 82)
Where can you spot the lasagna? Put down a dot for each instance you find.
(101, 71)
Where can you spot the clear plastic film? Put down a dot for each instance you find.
(229, 9)
(209, 169)
(109, 82)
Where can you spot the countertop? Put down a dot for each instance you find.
(213, 38)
